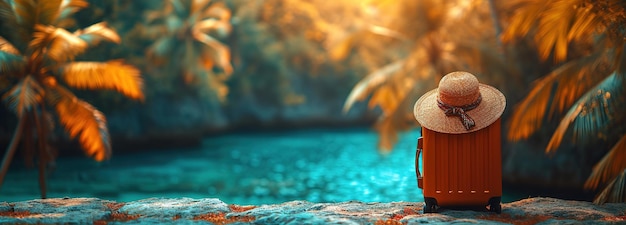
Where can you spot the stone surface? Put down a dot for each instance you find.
(207, 211)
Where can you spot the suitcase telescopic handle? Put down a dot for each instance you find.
(418, 151)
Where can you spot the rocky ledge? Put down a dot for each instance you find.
(214, 211)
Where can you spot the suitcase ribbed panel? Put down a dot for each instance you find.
(463, 169)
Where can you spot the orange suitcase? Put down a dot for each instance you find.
(460, 169)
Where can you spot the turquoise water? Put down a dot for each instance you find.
(318, 165)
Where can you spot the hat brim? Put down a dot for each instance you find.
(430, 116)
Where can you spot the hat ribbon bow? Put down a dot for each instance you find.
(460, 111)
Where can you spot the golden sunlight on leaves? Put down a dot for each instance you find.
(610, 166)
(24, 15)
(36, 27)
(54, 11)
(341, 50)
(24, 96)
(222, 56)
(98, 32)
(61, 45)
(393, 98)
(427, 46)
(69, 7)
(554, 23)
(6, 46)
(24, 12)
(113, 75)
(385, 97)
(388, 127)
(557, 137)
(590, 113)
(217, 20)
(370, 83)
(81, 119)
(568, 82)
(614, 192)
(197, 5)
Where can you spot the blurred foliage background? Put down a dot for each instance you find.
(223, 65)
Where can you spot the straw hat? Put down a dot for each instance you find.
(459, 105)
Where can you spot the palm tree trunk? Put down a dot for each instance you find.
(8, 155)
(42, 174)
(43, 153)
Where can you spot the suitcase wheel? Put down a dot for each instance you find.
(494, 205)
(430, 205)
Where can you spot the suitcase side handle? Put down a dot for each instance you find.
(418, 151)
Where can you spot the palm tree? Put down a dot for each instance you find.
(588, 37)
(187, 34)
(280, 46)
(37, 64)
(438, 44)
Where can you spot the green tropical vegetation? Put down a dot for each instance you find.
(585, 39)
(265, 63)
(588, 85)
(434, 44)
(37, 61)
(186, 38)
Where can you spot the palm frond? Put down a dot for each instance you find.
(340, 49)
(567, 82)
(222, 52)
(610, 166)
(61, 44)
(47, 12)
(556, 23)
(372, 81)
(6, 11)
(527, 13)
(82, 120)
(577, 79)
(10, 62)
(24, 96)
(24, 12)
(219, 11)
(96, 33)
(585, 22)
(197, 6)
(6, 46)
(592, 111)
(222, 27)
(397, 116)
(28, 13)
(10, 20)
(69, 7)
(383, 31)
(552, 32)
(615, 192)
(112, 75)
